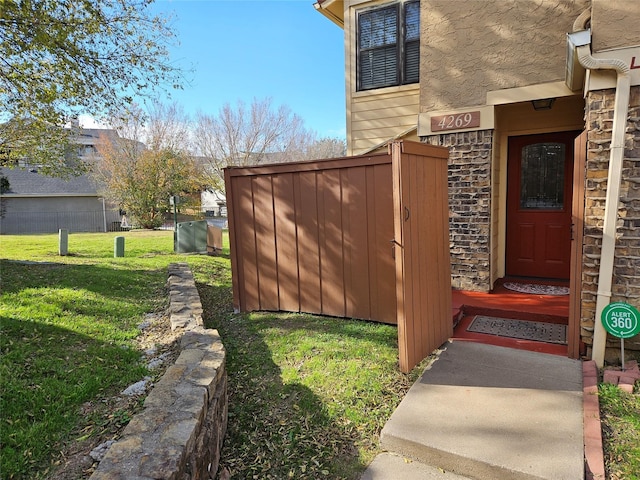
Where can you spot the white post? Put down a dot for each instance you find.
(104, 215)
(63, 242)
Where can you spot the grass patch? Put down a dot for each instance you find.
(67, 335)
(620, 413)
(308, 395)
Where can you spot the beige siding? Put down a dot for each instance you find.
(374, 116)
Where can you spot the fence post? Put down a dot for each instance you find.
(63, 241)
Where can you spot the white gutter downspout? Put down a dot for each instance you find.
(620, 112)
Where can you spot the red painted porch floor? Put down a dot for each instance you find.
(505, 303)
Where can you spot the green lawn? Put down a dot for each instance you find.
(308, 395)
(621, 431)
(67, 330)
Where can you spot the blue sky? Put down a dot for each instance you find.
(245, 49)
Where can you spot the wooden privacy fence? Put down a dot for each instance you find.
(360, 237)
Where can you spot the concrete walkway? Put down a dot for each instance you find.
(487, 412)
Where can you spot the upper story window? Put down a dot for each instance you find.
(88, 150)
(388, 51)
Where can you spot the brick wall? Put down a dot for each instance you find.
(626, 274)
(469, 206)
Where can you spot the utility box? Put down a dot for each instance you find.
(118, 247)
(191, 237)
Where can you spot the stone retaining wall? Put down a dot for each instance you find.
(180, 432)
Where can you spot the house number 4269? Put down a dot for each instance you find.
(457, 121)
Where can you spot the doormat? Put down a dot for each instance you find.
(522, 329)
(536, 288)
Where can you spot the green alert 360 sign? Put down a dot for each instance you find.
(621, 320)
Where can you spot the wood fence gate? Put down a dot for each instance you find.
(362, 237)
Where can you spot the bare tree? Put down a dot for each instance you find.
(254, 135)
(141, 178)
(327, 147)
(168, 127)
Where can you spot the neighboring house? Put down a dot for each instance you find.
(507, 90)
(36, 203)
(213, 203)
(88, 140)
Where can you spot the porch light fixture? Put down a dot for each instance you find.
(543, 103)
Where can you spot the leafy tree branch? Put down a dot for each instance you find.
(60, 58)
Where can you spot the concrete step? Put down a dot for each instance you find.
(488, 412)
(389, 466)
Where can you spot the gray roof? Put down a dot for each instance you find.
(30, 182)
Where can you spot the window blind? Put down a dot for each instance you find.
(388, 46)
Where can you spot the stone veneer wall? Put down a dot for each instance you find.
(469, 206)
(180, 432)
(626, 274)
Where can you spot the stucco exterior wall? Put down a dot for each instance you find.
(614, 24)
(490, 45)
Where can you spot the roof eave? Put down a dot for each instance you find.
(332, 9)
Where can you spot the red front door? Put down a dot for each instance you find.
(539, 186)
